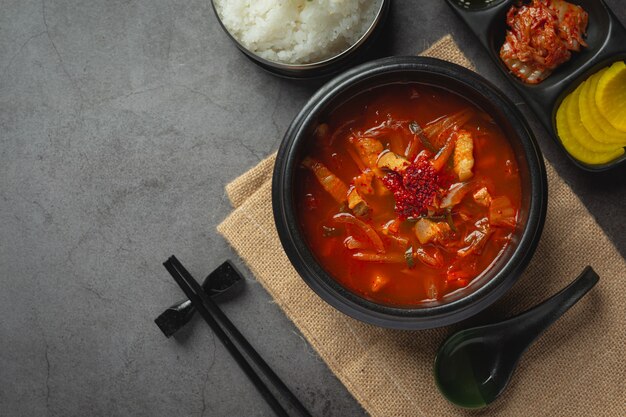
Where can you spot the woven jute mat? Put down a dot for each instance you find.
(576, 368)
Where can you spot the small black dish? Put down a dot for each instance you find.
(606, 39)
(485, 289)
(322, 69)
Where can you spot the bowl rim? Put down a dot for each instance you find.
(311, 66)
(358, 307)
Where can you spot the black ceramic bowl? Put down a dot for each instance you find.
(492, 283)
(325, 68)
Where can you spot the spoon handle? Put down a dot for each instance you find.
(539, 318)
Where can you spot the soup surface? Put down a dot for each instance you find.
(407, 193)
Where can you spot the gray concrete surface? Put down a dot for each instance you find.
(120, 124)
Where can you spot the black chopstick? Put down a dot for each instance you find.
(241, 360)
(229, 335)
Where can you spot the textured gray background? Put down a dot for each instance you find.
(120, 124)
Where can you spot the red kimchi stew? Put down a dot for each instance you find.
(406, 193)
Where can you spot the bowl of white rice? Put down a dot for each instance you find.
(302, 38)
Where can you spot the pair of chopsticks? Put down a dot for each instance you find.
(263, 377)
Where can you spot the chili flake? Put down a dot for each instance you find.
(414, 189)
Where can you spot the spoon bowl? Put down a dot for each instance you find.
(474, 366)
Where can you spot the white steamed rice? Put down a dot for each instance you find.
(297, 31)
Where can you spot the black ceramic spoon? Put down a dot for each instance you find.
(474, 366)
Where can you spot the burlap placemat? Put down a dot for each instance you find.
(577, 368)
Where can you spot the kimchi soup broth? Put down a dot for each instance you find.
(343, 197)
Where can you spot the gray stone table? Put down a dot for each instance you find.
(120, 123)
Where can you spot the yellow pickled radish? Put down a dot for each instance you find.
(599, 128)
(573, 146)
(579, 131)
(611, 95)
